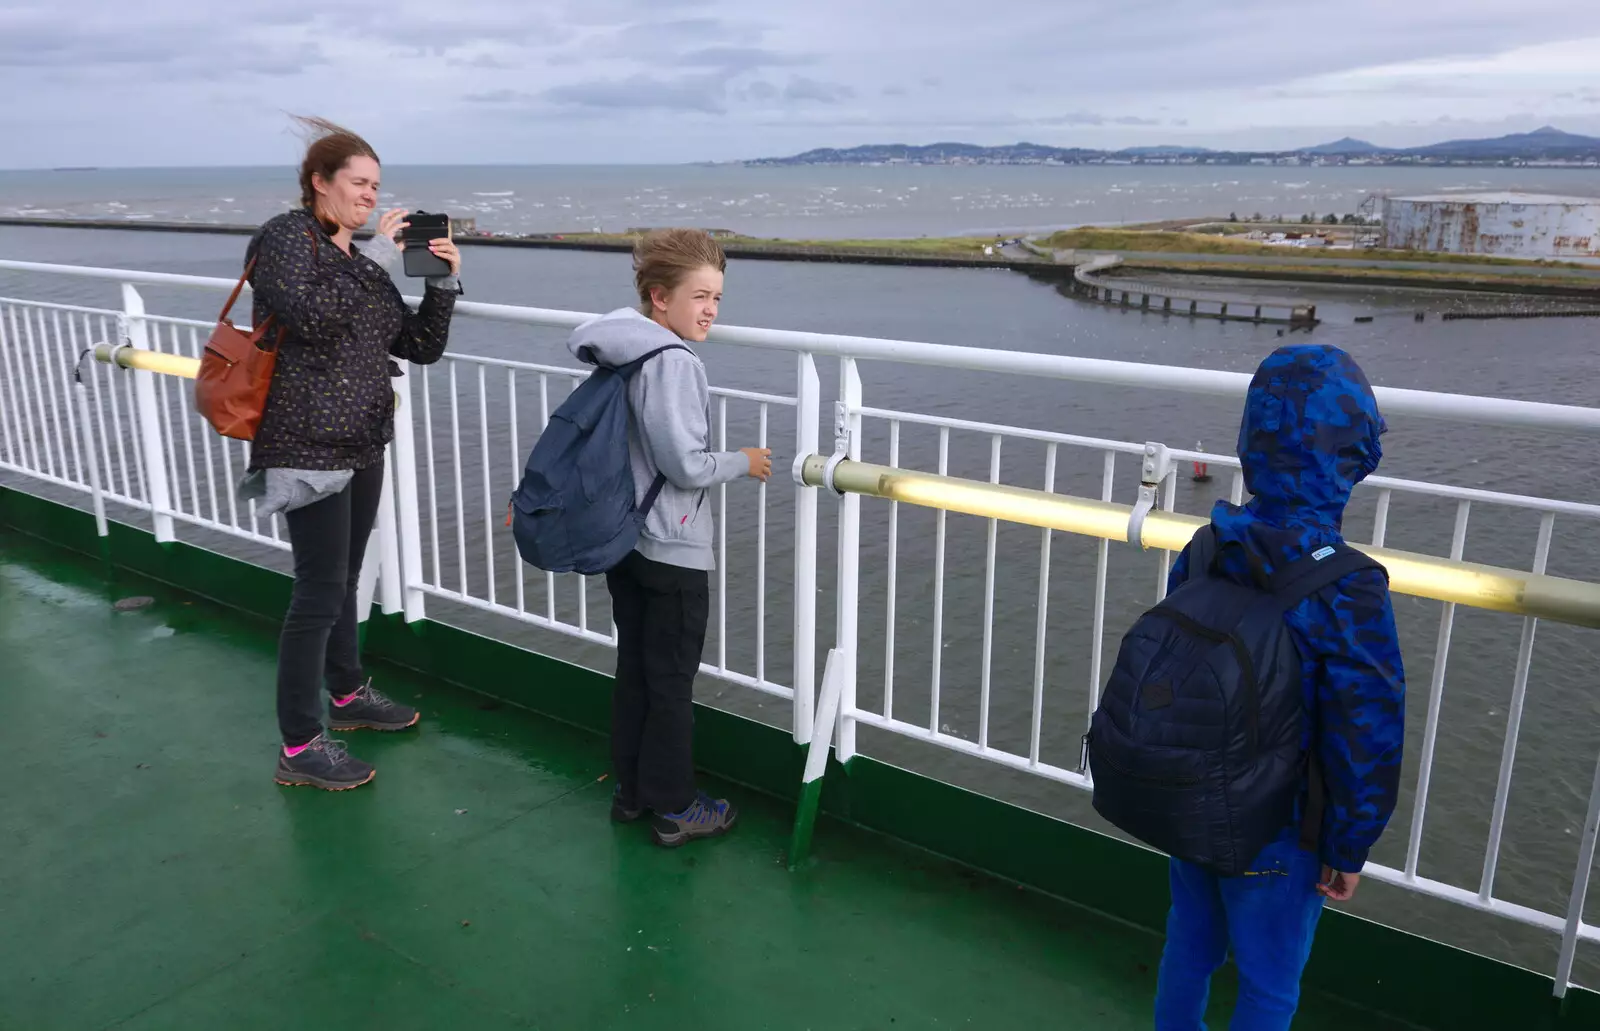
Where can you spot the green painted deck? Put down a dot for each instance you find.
(156, 878)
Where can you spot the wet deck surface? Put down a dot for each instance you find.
(156, 878)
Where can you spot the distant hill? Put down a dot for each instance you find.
(1546, 144)
(1348, 145)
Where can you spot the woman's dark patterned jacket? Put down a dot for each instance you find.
(331, 405)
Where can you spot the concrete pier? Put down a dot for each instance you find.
(1088, 283)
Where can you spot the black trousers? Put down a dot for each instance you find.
(661, 614)
(318, 646)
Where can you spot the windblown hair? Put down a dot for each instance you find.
(331, 148)
(664, 257)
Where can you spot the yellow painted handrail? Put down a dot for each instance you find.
(1424, 576)
(150, 361)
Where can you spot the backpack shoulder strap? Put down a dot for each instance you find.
(634, 366)
(1311, 573)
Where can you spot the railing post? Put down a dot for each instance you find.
(389, 582)
(847, 430)
(1580, 889)
(808, 417)
(149, 418)
(409, 525)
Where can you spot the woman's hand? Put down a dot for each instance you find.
(392, 222)
(446, 248)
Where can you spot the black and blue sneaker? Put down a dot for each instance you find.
(706, 817)
(367, 708)
(322, 763)
(624, 810)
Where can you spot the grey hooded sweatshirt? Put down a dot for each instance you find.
(669, 431)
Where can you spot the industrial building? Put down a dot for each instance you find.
(1514, 225)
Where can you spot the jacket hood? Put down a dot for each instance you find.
(1309, 435)
(619, 337)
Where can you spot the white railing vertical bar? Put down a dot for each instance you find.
(1519, 695)
(938, 588)
(1236, 487)
(408, 517)
(488, 479)
(7, 411)
(893, 572)
(169, 466)
(15, 451)
(49, 359)
(808, 418)
(80, 390)
(460, 510)
(433, 474)
(1580, 889)
(1042, 606)
(67, 351)
(250, 506)
(1169, 501)
(722, 544)
(38, 385)
(1097, 645)
(100, 377)
(136, 440)
(1430, 736)
(1380, 522)
(106, 387)
(544, 420)
(516, 480)
(18, 365)
(188, 434)
(227, 472)
(985, 681)
(761, 560)
(91, 378)
(151, 445)
(391, 583)
(63, 359)
(847, 592)
(72, 460)
(205, 440)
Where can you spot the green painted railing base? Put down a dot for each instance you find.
(1378, 967)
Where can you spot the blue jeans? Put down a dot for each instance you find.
(1268, 918)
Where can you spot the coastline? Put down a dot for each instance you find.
(1392, 270)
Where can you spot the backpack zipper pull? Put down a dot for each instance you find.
(508, 513)
(1083, 756)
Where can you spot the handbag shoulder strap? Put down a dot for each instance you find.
(237, 289)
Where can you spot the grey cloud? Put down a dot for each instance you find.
(703, 93)
(483, 60)
(499, 96)
(760, 91)
(1073, 118)
(895, 91)
(802, 88)
(740, 59)
(1135, 120)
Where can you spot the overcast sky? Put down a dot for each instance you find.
(163, 82)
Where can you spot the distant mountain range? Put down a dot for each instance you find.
(1546, 145)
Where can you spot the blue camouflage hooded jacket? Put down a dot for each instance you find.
(1309, 435)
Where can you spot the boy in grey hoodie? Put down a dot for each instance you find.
(661, 592)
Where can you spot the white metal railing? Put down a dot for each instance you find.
(133, 439)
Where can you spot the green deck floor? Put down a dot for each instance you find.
(156, 878)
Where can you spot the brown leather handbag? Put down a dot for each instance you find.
(235, 373)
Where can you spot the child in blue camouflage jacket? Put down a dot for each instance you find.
(1309, 435)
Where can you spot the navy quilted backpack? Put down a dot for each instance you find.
(575, 511)
(1195, 748)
